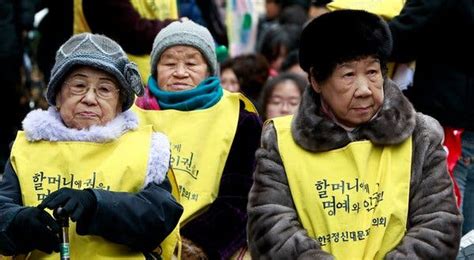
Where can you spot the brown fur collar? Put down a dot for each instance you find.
(394, 123)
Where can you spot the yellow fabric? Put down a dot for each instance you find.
(353, 200)
(200, 143)
(174, 239)
(80, 24)
(81, 165)
(148, 9)
(156, 9)
(386, 8)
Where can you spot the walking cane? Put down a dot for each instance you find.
(63, 220)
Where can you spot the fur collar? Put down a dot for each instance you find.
(47, 125)
(394, 123)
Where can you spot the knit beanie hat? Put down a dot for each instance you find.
(185, 33)
(343, 35)
(99, 52)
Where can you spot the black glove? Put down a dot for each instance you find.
(79, 204)
(33, 228)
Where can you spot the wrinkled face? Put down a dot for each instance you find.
(284, 99)
(88, 97)
(354, 91)
(229, 80)
(181, 68)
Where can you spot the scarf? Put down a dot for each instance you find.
(203, 96)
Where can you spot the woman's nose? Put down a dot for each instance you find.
(90, 97)
(180, 70)
(363, 87)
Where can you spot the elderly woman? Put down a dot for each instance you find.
(356, 173)
(87, 155)
(213, 133)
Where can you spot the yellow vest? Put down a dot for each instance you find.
(148, 9)
(200, 143)
(385, 8)
(353, 200)
(81, 165)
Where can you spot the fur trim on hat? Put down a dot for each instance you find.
(343, 35)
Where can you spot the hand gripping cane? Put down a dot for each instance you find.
(62, 219)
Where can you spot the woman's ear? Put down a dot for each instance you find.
(121, 101)
(312, 80)
(58, 101)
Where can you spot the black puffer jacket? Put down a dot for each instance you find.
(436, 33)
(15, 17)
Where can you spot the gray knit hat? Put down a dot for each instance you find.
(102, 53)
(185, 32)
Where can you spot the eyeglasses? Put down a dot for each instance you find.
(103, 90)
(282, 102)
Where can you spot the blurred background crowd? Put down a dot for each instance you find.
(257, 47)
(255, 41)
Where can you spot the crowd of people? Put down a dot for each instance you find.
(306, 148)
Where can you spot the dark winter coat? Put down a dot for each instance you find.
(433, 225)
(153, 206)
(220, 230)
(134, 33)
(436, 34)
(55, 29)
(16, 16)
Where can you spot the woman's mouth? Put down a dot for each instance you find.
(87, 114)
